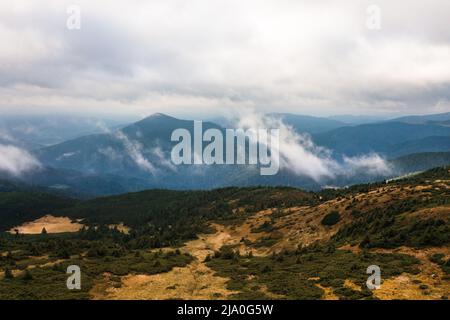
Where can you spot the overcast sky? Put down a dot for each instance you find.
(212, 56)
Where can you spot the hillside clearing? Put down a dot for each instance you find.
(50, 223)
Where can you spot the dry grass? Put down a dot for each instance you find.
(195, 281)
(351, 285)
(328, 293)
(297, 226)
(407, 286)
(50, 223)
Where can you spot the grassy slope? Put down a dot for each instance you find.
(411, 212)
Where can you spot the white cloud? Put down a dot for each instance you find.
(163, 159)
(16, 161)
(134, 150)
(299, 154)
(372, 164)
(6, 136)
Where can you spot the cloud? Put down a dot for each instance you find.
(299, 154)
(294, 56)
(5, 136)
(16, 161)
(134, 150)
(163, 159)
(372, 164)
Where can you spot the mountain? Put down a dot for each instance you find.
(301, 123)
(355, 120)
(139, 152)
(308, 124)
(385, 138)
(421, 161)
(107, 152)
(427, 144)
(33, 132)
(137, 157)
(423, 119)
(74, 183)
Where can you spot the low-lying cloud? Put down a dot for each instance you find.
(135, 151)
(372, 164)
(16, 161)
(301, 156)
(5, 136)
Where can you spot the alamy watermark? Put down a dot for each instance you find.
(74, 17)
(373, 21)
(229, 146)
(74, 280)
(374, 280)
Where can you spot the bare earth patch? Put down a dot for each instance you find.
(195, 281)
(328, 293)
(351, 285)
(50, 223)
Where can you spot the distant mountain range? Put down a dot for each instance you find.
(137, 156)
(309, 124)
(422, 119)
(32, 132)
(392, 138)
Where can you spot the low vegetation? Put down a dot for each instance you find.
(35, 266)
(295, 274)
(274, 256)
(331, 219)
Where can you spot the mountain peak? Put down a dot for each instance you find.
(157, 118)
(159, 115)
(155, 122)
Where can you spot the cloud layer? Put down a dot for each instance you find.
(140, 57)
